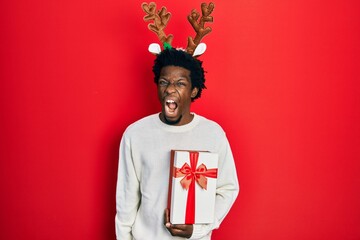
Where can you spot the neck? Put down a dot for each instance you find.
(180, 121)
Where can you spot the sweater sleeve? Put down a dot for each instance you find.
(226, 191)
(127, 193)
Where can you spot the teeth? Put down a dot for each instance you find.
(170, 101)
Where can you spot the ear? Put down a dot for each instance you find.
(200, 49)
(194, 92)
(154, 48)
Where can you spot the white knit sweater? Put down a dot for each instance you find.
(143, 175)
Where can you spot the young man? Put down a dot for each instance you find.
(143, 176)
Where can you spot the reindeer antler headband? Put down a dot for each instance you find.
(161, 18)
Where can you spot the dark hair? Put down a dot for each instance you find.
(180, 58)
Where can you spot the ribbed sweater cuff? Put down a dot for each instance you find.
(199, 231)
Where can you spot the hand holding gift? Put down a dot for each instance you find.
(179, 230)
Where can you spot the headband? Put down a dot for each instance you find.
(161, 18)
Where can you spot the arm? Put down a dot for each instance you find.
(127, 193)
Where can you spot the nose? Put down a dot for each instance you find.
(171, 88)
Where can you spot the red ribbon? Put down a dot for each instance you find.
(190, 175)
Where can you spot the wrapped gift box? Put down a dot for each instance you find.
(192, 188)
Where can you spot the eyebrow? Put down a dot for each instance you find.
(179, 79)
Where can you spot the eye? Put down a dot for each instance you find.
(163, 83)
(181, 84)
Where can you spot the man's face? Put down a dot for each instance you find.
(175, 93)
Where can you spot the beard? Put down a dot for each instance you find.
(172, 122)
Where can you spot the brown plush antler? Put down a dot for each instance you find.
(199, 26)
(160, 18)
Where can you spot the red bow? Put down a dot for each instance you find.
(199, 175)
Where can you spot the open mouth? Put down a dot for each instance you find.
(171, 112)
(171, 104)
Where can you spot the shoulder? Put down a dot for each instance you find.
(210, 125)
(141, 124)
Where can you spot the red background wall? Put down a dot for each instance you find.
(283, 81)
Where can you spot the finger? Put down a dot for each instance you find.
(181, 230)
(175, 232)
(167, 218)
(181, 227)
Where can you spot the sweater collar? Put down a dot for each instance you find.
(182, 128)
